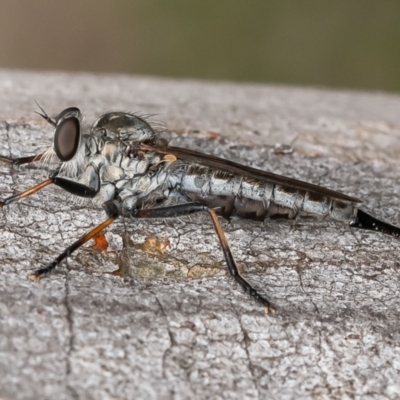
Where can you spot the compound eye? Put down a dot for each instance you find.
(66, 138)
(69, 112)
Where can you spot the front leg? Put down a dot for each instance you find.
(75, 188)
(21, 160)
(29, 159)
(190, 208)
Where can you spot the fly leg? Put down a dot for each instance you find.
(190, 208)
(76, 189)
(29, 159)
(112, 213)
(21, 160)
(72, 187)
(26, 193)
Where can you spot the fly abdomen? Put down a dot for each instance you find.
(239, 196)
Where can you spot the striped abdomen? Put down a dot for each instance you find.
(243, 197)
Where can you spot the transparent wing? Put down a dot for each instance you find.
(245, 171)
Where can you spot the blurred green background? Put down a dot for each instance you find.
(340, 43)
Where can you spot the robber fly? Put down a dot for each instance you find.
(124, 165)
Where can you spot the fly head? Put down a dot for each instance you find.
(67, 135)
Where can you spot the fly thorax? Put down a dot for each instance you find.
(116, 164)
(122, 126)
(127, 176)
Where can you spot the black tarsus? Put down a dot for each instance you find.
(366, 221)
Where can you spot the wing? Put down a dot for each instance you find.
(245, 171)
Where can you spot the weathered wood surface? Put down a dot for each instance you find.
(83, 333)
